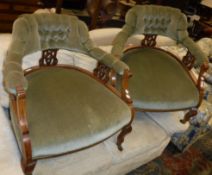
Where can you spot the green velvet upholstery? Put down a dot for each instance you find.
(159, 81)
(77, 111)
(160, 20)
(61, 109)
(33, 32)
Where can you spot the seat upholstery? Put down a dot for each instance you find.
(159, 81)
(51, 118)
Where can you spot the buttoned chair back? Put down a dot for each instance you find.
(161, 81)
(157, 20)
(57, 108)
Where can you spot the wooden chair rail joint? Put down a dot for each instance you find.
(125, 94)
(204, 67)
(21, 110)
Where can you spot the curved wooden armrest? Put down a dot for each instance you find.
(124, 86)
(112, 77)
(21, 110)
(204, 67)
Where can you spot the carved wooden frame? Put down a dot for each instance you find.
(187, 63)
(49, 60)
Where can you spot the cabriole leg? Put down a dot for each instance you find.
(192, 112)
(28, 166)
(125, 130)
(120, 139)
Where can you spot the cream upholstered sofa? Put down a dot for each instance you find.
(151, 134)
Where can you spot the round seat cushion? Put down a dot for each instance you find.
(159, 81)
(68, 110)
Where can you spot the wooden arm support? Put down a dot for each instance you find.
(204, 67)
(21, 111)
(27, 162)
(112, 78)
(108, 75)
(124, 87)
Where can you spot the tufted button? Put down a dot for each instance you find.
(146, 30)
(145, 20)
(156, 20)
(162, 21)
(68, 30)
(168, 21)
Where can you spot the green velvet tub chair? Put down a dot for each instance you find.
(58, 109)
(161, 81)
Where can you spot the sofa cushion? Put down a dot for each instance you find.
(145, 143)
(69, 110)
(169, 121)
(91, 161)
(159, 81)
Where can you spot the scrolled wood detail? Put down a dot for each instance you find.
(49, 57)
(125, 130)
(102, 72)
(188, 60)
(149, 40)
(191, 113)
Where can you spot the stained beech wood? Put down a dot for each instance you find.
(112, 78)
(28, 163)
(192, 112)
(102, 72)
(149, 40)
(125, 130)
(188, 60)
(125, 94)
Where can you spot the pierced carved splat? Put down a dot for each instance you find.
(102, 72)
(149, 41)
(49, 57)
(188, 60)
